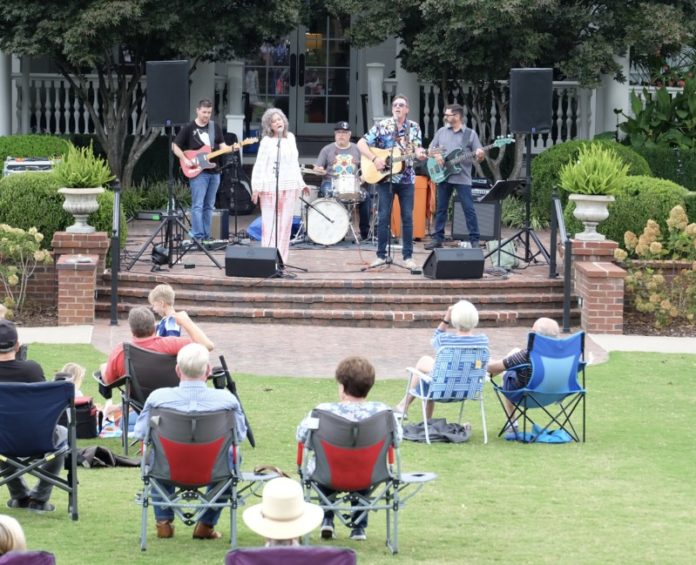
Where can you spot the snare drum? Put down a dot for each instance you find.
(327, 221)
(347, 188)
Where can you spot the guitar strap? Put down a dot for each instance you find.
(211, 134)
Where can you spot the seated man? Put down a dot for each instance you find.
(192, 395)
(355, 377)
(515, 380)
(13, 370)
(142, 325)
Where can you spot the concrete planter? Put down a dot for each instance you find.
(80, 202)
(590, 210)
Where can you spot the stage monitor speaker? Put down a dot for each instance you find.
(457, 263)
(242, 261)
(168, 93)
(488, 216)
(531, 95)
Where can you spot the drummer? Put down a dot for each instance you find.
(342, 157)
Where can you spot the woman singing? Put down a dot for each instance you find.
(277, 145)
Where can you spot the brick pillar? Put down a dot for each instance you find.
(77, 282)
(96, 243)
(600, 286)
(593, 250)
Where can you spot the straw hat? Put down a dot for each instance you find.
(283, 513)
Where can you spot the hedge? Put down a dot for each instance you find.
(547, 165)
(31, 146)
(640, 199)
(672, 164)
(32, 200)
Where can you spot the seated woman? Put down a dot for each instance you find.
(463, 317)
(11, 535)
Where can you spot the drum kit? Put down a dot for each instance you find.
(327, 220)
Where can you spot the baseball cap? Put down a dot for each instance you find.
(342, 125)
(8, 336)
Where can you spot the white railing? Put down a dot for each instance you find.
(47, 103)
(638, 90)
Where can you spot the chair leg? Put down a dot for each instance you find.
(483, 422)
(425, 421)
(124, 426)
(143, 520)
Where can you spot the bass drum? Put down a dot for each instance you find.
(327, 221)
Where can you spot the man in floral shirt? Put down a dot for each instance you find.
(405, 135)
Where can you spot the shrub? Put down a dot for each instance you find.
(31, 200)
(31, 146)
(598, 171)
(546, 168)
(672, 164)
(81, 168)
(637, 201)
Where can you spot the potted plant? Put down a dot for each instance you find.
(592, 180)
(82, 175)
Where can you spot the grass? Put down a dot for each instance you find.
(626, 496)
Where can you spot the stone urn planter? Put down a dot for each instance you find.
(80, 202)
(590, 210)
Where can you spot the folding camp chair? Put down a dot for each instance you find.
(295, 555)
(361, 463)
(30, 412)
(553, 387)
(187, 453)
(145, 371)
(458, 375)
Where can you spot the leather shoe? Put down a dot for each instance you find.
(165, 529)
(433, 245)
(204, 531)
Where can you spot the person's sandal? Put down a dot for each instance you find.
(165, 529)
(204, 531)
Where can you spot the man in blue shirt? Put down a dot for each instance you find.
(192, 395)
(405, 135)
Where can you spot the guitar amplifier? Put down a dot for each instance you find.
(26, 164)
(488, 216)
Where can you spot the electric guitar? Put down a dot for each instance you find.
(453, 160)
(201, 157)
(394, 164)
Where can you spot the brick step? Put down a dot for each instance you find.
(344, 317)
(188, 300)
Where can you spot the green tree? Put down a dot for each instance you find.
(91, 35)
(479, 41)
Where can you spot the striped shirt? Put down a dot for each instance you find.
(168, 327)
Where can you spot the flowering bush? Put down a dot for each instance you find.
(20, 253)
(668, 293)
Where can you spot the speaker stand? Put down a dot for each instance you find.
(526, 234)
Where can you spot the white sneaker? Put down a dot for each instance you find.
(411, 265)
(378, 262)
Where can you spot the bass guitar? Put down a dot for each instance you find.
(201, 157)
(453, 160)
(394, 164)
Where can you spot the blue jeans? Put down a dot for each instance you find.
(210, 517)
(405, 193)
(203, 190)
(444, 193)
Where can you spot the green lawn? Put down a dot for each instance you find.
(626, 496)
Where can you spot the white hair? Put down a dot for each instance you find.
(266, 119)
(464, 315)
(193, 360)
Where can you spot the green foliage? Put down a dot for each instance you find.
(546, 168)
(20, 253)
(32, 200)
(661, 119)
(81, 168)
(671, 163)
(513, 214)
(31, 146)
(597, 171)
(637, 201)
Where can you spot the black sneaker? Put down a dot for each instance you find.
(19, 502)
(41, 507)
(327, 529)
(433, 245)
(358, 534)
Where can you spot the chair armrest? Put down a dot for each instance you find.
(421, 375)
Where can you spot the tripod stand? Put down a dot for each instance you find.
(526, 234)
(171, 229)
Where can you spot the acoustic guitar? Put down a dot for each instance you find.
(393, 158)
(454, 159)
(201, 157)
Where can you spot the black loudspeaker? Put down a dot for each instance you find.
(458, 263)
(167, 93)
(488, 216)
(531, 95)
(241, 261)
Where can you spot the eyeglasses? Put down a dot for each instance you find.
(398, 104)
(448, 115)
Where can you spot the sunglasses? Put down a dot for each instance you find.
(399, 104)
(448, 115)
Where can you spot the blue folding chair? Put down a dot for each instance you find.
(553, 387)
(30, 412)
(457, 376)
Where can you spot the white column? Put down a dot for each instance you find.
(407, 84)
(375, 79)
(203, 85)
(26, 68)
(235, 103)
(612, 95)
(5, 93)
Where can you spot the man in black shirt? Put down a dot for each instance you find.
(205, 183)
(12, 370)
